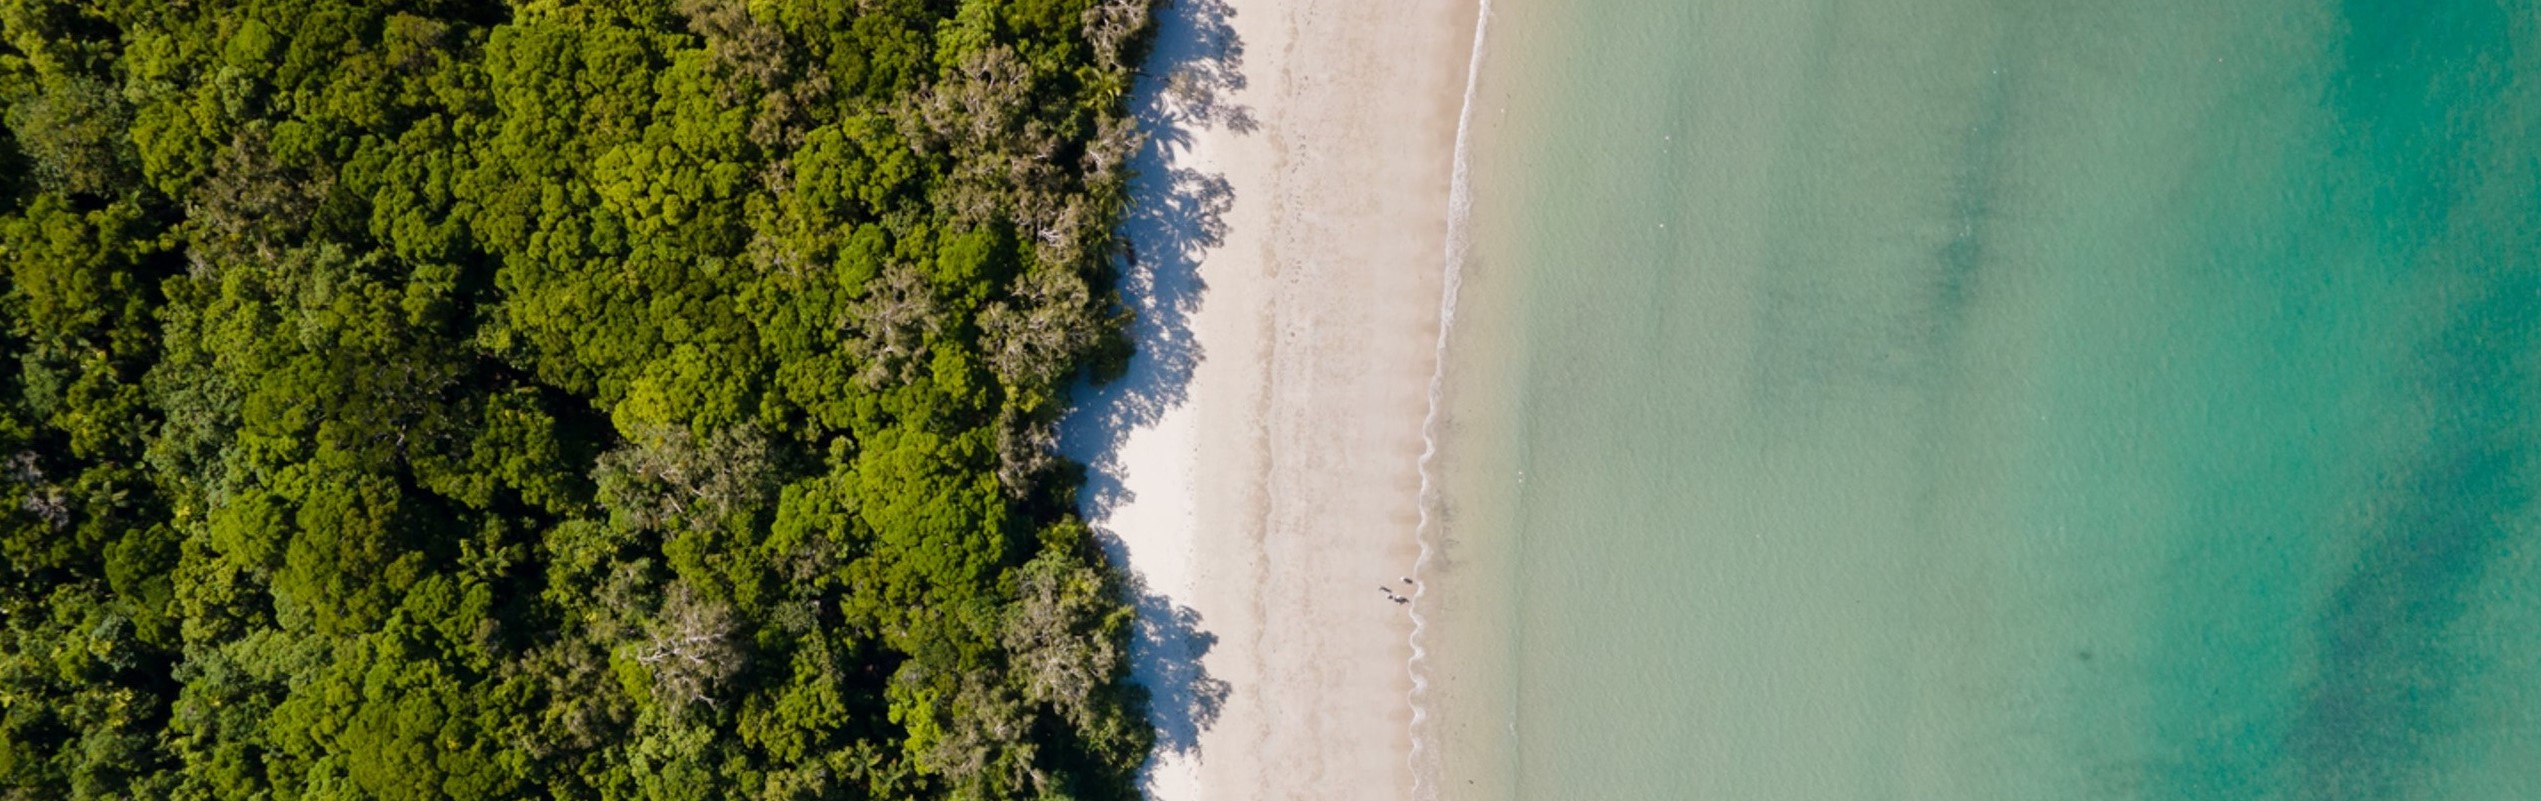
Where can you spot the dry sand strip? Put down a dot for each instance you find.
(1259, 465)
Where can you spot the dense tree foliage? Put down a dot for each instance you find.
(556, 398)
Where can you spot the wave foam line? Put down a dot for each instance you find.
(1459, 245)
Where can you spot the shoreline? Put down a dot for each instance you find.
(1426, 759)
(1260, 470)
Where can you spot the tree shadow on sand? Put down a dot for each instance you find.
(1176, 217)
(1183, 700)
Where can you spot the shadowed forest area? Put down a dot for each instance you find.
(653, 399)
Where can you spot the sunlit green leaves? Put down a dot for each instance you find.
(566, 398)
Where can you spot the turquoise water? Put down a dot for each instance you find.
(1996, 400)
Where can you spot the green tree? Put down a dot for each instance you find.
(564, 398)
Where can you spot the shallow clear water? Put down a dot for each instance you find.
(1997, 400)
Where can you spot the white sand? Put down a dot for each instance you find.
(1259, 466)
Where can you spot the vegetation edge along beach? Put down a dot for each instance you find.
(574, 399)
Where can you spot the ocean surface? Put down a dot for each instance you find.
(2033, 399)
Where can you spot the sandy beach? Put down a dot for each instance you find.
(1258, 467)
